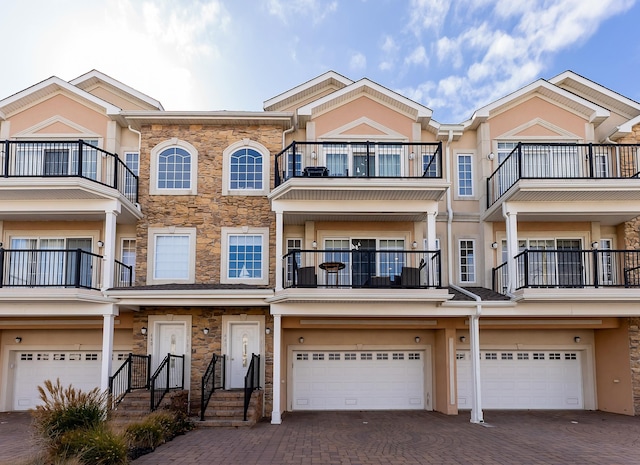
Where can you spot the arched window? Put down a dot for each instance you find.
(174, 168)
(246, 169)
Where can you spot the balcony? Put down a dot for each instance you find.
(373, 269)
(62, 268)
(359, 171)
(571, 269)
(566, 173)
(61, 166)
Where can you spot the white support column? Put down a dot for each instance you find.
(279, 241)
(476, 391)
(107, 347)
(512, 247)
(431, 230)
(109, 252)
(276, 416)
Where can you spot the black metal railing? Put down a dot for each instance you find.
(571, 269)
(251, 381)
(42, 159)
(563, 161)
(132, 374)
(359, 160)
(169, 375)
(50, 268)
(393, 269)
(212, 379)
(122, 275)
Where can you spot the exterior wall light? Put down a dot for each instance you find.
(101, 244)
(417, 339)
(463, 339)
(491, 156)
(18, 340)
(205, 331)
(143, 330)
(301, 340)
(494, 245)
(576, 339)
(414, 245)
(314, 244)
(267, 330)
(594, 245)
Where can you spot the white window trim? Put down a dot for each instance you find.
(473, 186)
(121, 253)
(475, 261)
(224, 259)
(151, 243)
(153, 182)
(226, 168)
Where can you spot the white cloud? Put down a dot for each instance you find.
(509, 48)
(427, 15)
(357, 62)
(417, 57)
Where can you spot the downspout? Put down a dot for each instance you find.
(474, 333)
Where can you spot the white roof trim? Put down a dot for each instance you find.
(307, 85)
(625, 128)
(560, 78)
(57, 83)
(338, 133)
(483, 113)
(118, 85)
(82, 132)
(422, 111)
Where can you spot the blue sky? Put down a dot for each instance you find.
(451, 55)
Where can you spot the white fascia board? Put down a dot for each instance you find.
(307, 85)
(422, 111)
(482, 114)
(57, 83)
(625, 129)
(118, 85)
(570, 75)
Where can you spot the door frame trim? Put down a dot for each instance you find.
(227, 322)
(153, 323)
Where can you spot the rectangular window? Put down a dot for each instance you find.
(467, 261)
(294, 164)
(246, 255)
(465, 176)
(128, 257)
(171, 257)
(132, 160)
(293, 244)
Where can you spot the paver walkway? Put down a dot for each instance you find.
(388, 438)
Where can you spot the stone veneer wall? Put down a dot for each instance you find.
(203, 347)
(209, 210)
(632, 242)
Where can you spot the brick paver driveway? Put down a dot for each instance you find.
(388, 438)
(401, 438)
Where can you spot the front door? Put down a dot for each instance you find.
(245, 340)
(171, 339)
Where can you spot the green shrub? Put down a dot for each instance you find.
(145, 435)
(102, 447)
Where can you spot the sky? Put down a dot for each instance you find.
(453, 56)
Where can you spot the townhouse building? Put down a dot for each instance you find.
(340, 250)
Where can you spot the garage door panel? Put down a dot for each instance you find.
(358, 380)
(523, 380)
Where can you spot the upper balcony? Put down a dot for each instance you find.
(568, 174)
(61, 170)
(346, 171)
(583, 274)
(57, 268)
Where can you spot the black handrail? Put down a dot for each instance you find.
(595, 268)
(251, 381)
(73, 158)
(132, 374)
(50, 268)
(363, 268)
(562, 161)
(215, 371)
(314, 159)
(122, 275)
(169, 375)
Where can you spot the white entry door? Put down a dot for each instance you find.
(245, 341)
(170, 339)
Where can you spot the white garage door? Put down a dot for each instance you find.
(523, 379)
(358, 380)
(32, 368)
